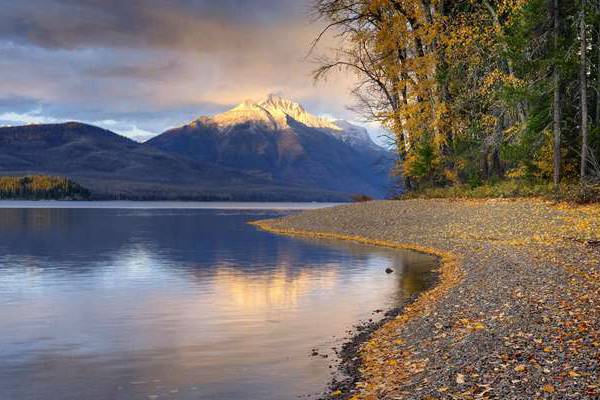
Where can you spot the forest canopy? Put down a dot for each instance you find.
(476, 90)
(41, 187)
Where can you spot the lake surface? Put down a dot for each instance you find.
(180, 303)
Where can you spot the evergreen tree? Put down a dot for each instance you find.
(474, 90)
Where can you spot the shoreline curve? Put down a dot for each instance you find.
(449, 274)
(515, 313)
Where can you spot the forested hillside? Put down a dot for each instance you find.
(40, 187)
(114, 167)
(477, 91)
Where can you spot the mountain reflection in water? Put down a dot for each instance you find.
(180, 304)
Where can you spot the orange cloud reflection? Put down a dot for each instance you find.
(279, 288)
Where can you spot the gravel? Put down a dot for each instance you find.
(516, 314)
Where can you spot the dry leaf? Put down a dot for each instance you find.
(548, 389)
(520, 368)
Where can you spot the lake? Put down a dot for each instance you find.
(180, 301)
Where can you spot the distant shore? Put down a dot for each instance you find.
(148, 204)
(516, 313)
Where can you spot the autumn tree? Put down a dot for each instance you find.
(392, 49)
(475, 90)
(38, 187)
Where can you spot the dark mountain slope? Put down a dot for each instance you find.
(113, 166)
(264, 140)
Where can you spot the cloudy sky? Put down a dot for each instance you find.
(141, 66)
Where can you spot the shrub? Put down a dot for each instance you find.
(360, 198)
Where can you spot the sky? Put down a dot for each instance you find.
(139, 67)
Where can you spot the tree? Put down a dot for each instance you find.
(556, 106)
(583, 70)
(475, 90)
(392, 50)
(39, 187)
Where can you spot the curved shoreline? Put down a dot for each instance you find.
(517, 279)
(449, 274)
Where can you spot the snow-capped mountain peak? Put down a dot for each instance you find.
(281, 108)
(272, 112)
(248, 111)
(275, 113)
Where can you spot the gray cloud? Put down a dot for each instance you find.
(148, 63)
(133, 71)
(203, 24)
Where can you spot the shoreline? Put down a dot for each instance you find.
(150, 204)
(448, 272)
(349, 354)
(518, 279)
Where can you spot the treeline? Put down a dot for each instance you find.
(476, 90)
(41, 187)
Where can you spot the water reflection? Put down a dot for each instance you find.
(180, 304)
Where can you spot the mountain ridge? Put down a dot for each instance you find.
(277, 139)
(274, 111)
(260, 153)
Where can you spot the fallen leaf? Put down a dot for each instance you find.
(548, 389)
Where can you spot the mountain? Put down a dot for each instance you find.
(274, 113)
(278, 140)
(355, 136)
(268, 150)
(112, 166)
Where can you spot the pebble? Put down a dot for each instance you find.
(524, 322)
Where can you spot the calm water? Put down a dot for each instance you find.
(125, 303)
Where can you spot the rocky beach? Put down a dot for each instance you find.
(516, 312)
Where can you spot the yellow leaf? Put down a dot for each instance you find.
(520, 368)
(548, 389)
(478, 326)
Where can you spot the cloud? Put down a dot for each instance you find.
(147, 62)
(202, 24)
(33, 117)
(130, 130)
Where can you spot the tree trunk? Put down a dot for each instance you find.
(509, 64)
(556, 103)
(598, 76)
(483, 163)
(583, 91)
(408, 186)
(497, 169)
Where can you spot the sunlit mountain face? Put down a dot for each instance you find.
(277, 139)
(274, 112)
